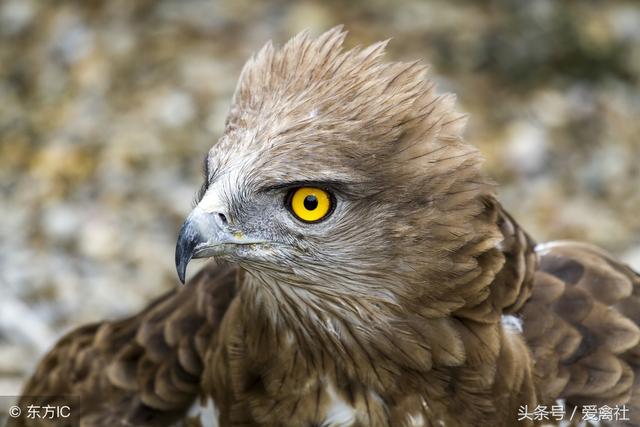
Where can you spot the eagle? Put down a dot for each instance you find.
(363, 274)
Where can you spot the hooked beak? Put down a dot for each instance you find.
(204, 235)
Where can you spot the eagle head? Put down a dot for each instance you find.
(340, 174)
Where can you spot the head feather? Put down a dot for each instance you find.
(315, 110)
(317, 79)
(312, 94)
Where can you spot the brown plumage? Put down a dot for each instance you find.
(143, 370)
(395, 310)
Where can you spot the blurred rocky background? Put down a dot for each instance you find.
(108, 107)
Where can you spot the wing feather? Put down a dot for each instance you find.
(143, 370)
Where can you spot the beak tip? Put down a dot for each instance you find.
(184, 252)
(181, 265)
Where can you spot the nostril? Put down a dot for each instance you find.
(222, 218)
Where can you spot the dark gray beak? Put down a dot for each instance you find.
(199, 235)
(204, 235)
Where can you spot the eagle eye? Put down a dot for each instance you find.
(310, 204)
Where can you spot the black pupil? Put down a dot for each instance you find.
(310, 202)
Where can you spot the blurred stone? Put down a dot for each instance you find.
(15, 15)
(173, 109)
(625, 22)
(100, 238)
(61, 222)
(526, 148)
(72, 40)
(61, 163)
(10, 386)
(14, 359)
(24, 324)
(550, 107)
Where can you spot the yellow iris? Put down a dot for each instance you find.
(310, 204)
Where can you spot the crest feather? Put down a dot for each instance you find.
(308, 76)
(375, 120)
